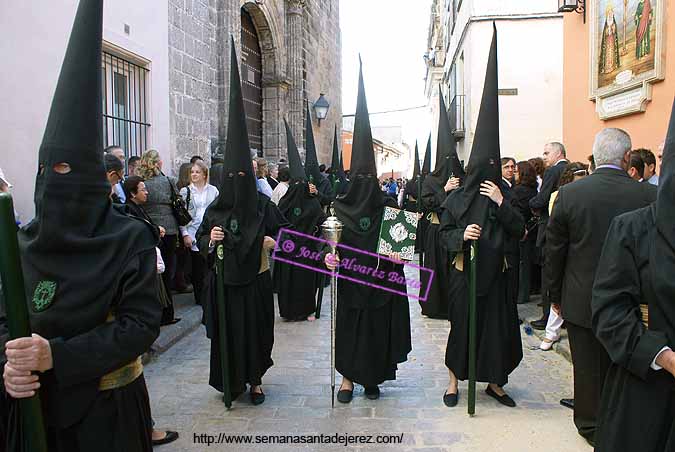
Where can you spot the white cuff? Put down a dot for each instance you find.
(654, 365)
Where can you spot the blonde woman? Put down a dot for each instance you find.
(198, 196)
(159, 209)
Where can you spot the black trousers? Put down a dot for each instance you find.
(591, 362)
(525, 275)
(168, 249)
(198, 274)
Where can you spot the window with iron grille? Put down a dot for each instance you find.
(125, 104)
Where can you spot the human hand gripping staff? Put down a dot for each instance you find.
(17, 319)
(217, 237)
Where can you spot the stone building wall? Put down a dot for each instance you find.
(296, 37)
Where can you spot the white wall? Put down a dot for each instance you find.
(530, 60)
(36, 35)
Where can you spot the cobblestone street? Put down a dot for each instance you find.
(298, 397)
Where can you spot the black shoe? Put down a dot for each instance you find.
(569, 403)
(450, 400)
(504, 400)
(257, 398)
(372, 392)
(345, 395)
(169, 438)
(539, 324)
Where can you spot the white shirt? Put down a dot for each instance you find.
(279, 192)
(199, 201)
(507, 182)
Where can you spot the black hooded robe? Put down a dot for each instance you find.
(372, 325)
(499, 348)
(637, 409)
(79, 416)
(435, 253)
(297, 286)
(249, 310)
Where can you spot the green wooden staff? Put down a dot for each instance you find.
(472, 327)
(16, 308)
(222, 322)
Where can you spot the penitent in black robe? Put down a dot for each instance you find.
(372, 325)
(435, 253)
(499, 349)
(297, 286)
(249, 310)
(79, 417)
(637, 410)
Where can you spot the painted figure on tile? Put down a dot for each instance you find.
(609, 47)
(643, 22)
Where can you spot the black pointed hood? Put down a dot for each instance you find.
(337, 176)
(426, 164)
(411, 185)
(302, 209)
(294, 163)
(78, 246)
(665, 205)
(311, 159)
(416, 169)
(237, 208)
(363, 153)
(485, 159)
(447, 161)
(662, 254)
(73, 131)
(361, 207)
(336, 161)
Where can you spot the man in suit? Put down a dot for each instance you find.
(556, 162)
(575, 236)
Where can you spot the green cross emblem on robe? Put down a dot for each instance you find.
(43, 295)
(364, 223)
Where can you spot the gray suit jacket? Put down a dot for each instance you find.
(159, 207)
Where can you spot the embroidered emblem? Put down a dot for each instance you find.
(43, 296)
(220, 252)
(234, 225)
(297, 211)
(364, 223)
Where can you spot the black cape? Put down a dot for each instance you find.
(499, 349)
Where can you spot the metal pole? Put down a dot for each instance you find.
(222, 323)
(18, 323)
(472, 328)
(333, 303)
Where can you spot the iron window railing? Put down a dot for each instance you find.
(125, 104)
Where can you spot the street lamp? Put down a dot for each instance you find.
(568, 6)
(321, 108)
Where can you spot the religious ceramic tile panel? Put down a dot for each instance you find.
(627, 53)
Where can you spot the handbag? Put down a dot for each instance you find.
(179, 207)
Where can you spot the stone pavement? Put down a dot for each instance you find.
(298, 397)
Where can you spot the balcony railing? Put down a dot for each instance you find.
(456, 115)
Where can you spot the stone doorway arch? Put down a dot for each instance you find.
(274, 81)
